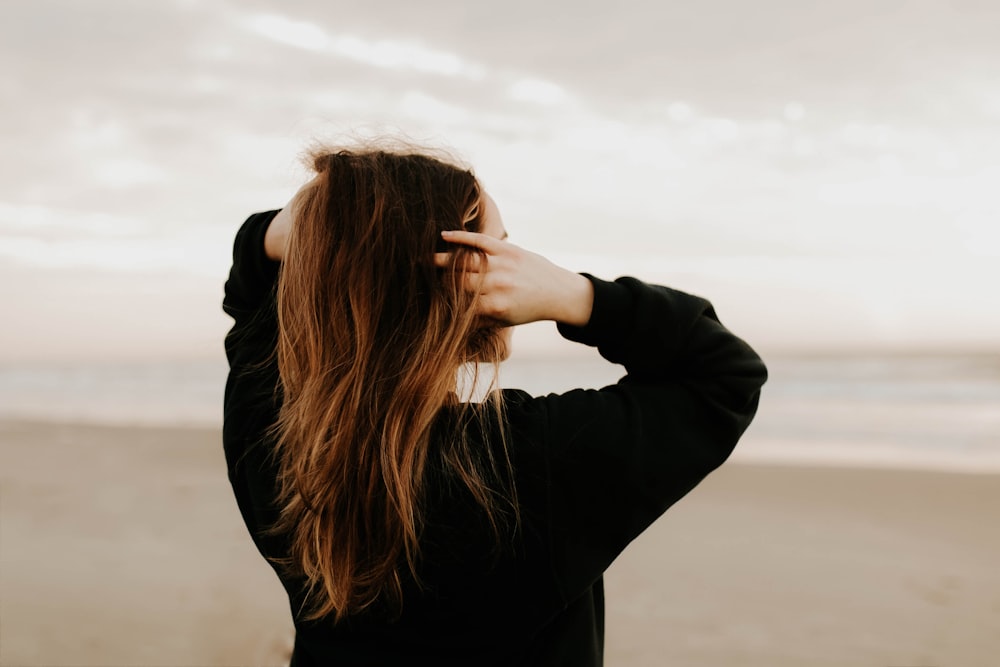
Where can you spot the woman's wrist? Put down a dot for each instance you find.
(577, 302)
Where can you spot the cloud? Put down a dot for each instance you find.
(40, 237)
(433, 111)
(538, 91)
(120, 173)
(300, 34)
(184, 254)
(383, 53)
(45, 221)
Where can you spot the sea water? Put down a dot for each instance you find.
(937, 412)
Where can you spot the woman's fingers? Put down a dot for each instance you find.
(516, 286)
(484, 242)
(473, 262)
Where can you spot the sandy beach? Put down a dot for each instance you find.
(123, 546)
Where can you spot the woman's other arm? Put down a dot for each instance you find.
(276, 236)
(620, 456)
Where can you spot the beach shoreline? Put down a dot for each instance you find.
(123, 545)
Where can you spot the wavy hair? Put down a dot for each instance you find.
(371, 339)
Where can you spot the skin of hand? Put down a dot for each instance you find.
(276, 236)
(519, 286)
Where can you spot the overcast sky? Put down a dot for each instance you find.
(825, 172)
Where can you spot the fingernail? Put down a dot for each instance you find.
(446, 232)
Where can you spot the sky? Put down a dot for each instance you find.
(825, 173)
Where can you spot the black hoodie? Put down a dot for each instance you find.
(592, 468)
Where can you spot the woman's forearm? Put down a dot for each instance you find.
(276, 236)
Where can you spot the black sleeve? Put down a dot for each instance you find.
(253, 275)
(621, 455)
(251, 398)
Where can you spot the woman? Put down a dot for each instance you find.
(408, 524)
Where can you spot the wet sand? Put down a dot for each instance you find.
(123, 546)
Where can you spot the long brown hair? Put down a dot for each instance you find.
(371, 337)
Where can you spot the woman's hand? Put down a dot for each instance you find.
(276, 236)
(519, 286)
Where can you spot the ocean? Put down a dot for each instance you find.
(926, 412)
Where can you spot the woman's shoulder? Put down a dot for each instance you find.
(541, 422)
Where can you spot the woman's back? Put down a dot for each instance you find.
(589, 469)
